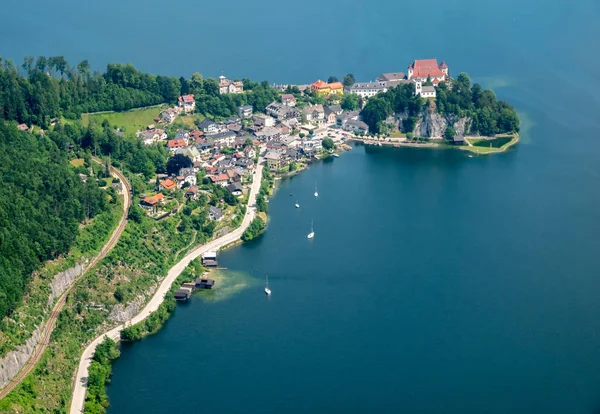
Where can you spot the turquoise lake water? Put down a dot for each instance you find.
(436, 283)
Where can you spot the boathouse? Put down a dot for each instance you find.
(209, 259)
(182, 294)
(204, 283)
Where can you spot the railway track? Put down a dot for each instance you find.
(60, 303)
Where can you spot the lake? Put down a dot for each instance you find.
(436, 282)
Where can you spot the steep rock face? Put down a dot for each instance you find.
(12, 363)
(63, 280)
(121, 313)
(433, 125)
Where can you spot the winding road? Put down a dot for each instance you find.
(60, 303)
(81, 379)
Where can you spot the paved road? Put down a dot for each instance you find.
(80, 385)
(60, 303)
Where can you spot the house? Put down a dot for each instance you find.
(233, 175)
(175, 144)
(235, 189)
(331, 113)
(421, 70)
(168, 115)
(367, 89)
(191, 152)
(345, 117)
(224, 139)
(336, 88)
(182, 294)
(151, 202)
(424, 91)
(281, 111)
(245, 111)
(187, 103)
(210, 258)
(228, 86)
(354, 125)
(292, 154)
(219, 179)
(290, 141)
(150, 136)
(22, 127)
(288, 99)
(320, 88)
(311, 146)
(313, 113)
(274, 145)
(274, 159)
(291, 124)
(195, 134)
(192, 192)
(215, 213)
(167, 184)
(268, 133)
(209, 126)
(189, 175)
(263, 120)
(249, 152)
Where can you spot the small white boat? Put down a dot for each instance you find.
(312, 231)
(267, 290)
(297, 205)
(316, 192)
(335, 155)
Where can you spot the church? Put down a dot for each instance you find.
(421, 70)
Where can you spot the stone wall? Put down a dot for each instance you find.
(63, 280)
(120, 313)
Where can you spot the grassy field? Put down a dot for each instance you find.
(129, 121)
(77, 162)
(482, 146)
(189, 120)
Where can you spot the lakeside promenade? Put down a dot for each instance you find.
(81, 379)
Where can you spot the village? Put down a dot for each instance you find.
(287, 135)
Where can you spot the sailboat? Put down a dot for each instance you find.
(312, 231)
(297, 205)
(267, 290)
(316, 192)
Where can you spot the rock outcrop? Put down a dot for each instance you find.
(63, 280)
(432, 124)
(12, 363)
(120, 313)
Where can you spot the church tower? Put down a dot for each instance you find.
(418, 88)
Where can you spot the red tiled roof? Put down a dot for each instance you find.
(336, 85)
(192, 190)
(320, 85)
(186, 98)
(168, 184)
(154, 199)
(425, 68)
(174, 143)
(196, 134)
(287, 96)
(219, 178)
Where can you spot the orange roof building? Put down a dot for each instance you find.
(168, 184)
(336, 88)
(155, 199)
(175, 143)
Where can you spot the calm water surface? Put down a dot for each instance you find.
(436, 283)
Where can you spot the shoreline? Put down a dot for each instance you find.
(80, 380)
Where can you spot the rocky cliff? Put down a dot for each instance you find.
(12, 363)
(120, 313)
(63, 280)
(431, 124)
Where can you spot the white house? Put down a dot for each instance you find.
(189, 175)
(263, 120)
(354, 125)
(168, 115)
(245, 111)
(424, 91)
(187, 103)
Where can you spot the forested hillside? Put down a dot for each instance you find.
(48, 87)
(42, 202)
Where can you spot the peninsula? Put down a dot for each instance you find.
(195, 158)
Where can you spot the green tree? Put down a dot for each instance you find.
(328, 143)
(449, 133)
(350, 102)
(177, 162)
(349, 80)
(332, 79)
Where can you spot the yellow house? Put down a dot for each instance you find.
(336, 88)
(320, 88)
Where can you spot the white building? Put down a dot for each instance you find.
(187, 103)
(424, 91)
(263, 120)
(228, 86)
(367, 89)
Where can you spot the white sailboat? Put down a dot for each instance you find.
(297, 205)
(312, 231)
(316, 192)
(267, 290)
